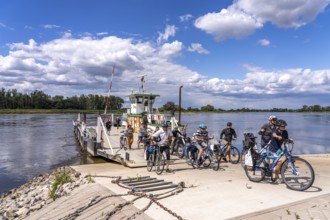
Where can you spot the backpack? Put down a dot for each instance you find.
(249, 140)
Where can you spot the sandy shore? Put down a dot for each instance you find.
(207, 194)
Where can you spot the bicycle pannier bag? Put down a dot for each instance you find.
(248, 159)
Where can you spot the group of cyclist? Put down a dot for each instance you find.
(272, 134)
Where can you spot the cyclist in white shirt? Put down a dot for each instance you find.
(165, 137)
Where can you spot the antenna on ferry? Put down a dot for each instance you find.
(106, 103)
(142, 83)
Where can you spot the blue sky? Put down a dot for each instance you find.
(229, 54)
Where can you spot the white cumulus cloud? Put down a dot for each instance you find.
(196, 47)
(75, 66)
(228, 23)
(169, 32)
(244, 17)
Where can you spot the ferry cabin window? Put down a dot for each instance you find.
(152, 100)
(139, 99)
(132, 99)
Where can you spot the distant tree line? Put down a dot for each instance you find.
(171, 106)
(12, 99)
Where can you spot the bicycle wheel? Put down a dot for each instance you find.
(125, 144)
(298, 174)
(121, 142)
(207, 161)
(160, 163)
(234, 155)
(258, 173)
(243, 153)
(215, 162)
(151, 162)
(193, 159)
(188, 157)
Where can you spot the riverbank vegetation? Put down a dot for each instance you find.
(14, 102)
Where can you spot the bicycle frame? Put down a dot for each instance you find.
(271, 166)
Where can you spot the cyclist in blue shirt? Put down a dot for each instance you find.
(279, 135)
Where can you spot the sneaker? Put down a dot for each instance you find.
(168, 171)
(279, 181)
(225, 159)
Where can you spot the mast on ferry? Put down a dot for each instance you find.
(107, 101)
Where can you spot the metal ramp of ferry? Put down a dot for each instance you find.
(146, 184)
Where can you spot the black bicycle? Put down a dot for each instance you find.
(296, 172)
(228, 151)
(178, 147)
(155, 159)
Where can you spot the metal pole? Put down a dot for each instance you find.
(180, 104)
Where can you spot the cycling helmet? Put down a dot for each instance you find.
(272, 117)
(203, 126)
(229, 124)
(164, 124)
(281, 123)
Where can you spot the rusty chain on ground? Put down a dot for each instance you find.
(91, 203)
(152, 197)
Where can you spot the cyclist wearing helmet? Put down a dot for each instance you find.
(267, 129)
(200, 136)
(175, 135)
(279, 135)
(165, 137)
(228, 134)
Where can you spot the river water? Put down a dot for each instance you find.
(33, 144)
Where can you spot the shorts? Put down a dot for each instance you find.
(167, 151)
(201, 146)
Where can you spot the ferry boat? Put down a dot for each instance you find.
(93, 137)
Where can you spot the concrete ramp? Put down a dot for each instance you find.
(74, 206)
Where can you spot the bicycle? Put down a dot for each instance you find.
(155, 158)
(123, 142)
(207, 159)
(178, 147)
(296, 172)
(229, 151)
(248, 142)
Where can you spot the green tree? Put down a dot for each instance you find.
(208, 108)
(169, 106)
